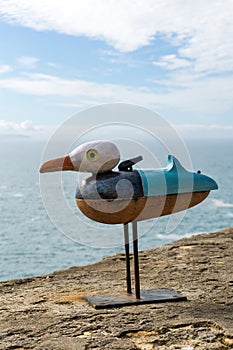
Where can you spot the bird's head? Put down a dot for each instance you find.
(94, 157)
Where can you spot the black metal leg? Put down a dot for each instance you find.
(149, 296)
(128, 276)
(136, 261)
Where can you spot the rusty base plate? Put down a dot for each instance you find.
(150, 296)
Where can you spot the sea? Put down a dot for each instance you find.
(32, 244)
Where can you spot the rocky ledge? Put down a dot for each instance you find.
(49, 312)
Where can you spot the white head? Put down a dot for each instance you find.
(94, 157)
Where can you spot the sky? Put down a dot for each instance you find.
(59, 57)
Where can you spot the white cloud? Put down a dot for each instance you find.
(47, 85)
(53, 64)
(5, 68)
(24, 129)
(172, 62)
(198, 64)
(195, 96)
(215, 131)
(28, 61)
(201, 30)
(205, 127)
(26, 125)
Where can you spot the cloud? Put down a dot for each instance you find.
(172, 62)
(214, 131)
(197, 64)
(206, 127)
(53, 64)
(83, 91)
(28, 61)
(200, 31)
(5, 68)
(192, 95)
(26, 129)
(26, 125)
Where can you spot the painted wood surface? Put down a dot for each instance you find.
(120, 211)
(173, 179)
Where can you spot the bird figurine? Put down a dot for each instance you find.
(130, 195)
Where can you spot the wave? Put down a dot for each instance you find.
(220, 204)
(18, 195)
(36, 218)
(175, 236)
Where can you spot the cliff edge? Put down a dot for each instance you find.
(49, 312)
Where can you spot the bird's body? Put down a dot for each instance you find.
(117, 197)
(127, 195)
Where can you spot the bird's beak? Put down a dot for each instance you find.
(57, 164)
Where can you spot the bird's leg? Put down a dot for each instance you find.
(136, 262)
(128, 277)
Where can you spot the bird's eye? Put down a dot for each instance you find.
(92, 154)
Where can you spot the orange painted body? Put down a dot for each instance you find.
(121, 211)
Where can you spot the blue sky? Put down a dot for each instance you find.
(174, 57)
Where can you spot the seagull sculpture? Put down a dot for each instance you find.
(129, 195)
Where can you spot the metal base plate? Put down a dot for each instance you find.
(150, 296)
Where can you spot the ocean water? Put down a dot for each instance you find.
(30, 244)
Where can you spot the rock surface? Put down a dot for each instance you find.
(49, 312)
